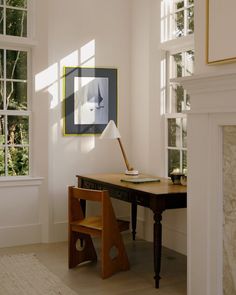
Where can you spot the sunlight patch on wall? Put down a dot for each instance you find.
(46, 78)
(53, 91)
(88, 144)
(71, 60)
(87, 52)
(87, 59)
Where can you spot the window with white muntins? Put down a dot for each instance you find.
(177, 28)
(15, 82)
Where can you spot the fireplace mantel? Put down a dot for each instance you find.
(213, 106)
(211, 93)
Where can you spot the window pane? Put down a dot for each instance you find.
(174, 132)
(18, 161)
(1, 63)
(18, 130)
(2, 130)
(1, 94)
(16, 22)
(179, 4)
(187, 102)
(179, 23)
(184, 161)
(1, 19)
(189, 63)
(16, 95)
(190, 2)
(173, 160)
(2, 161)
(17, 3)
(177, 98)
(182, 64)
(184, 132)
(1, 2)
(16, 64)
(190, 20)
(177, 65)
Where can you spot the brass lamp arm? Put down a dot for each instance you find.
(124, 156)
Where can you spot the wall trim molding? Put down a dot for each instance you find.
(20, 181)
(174, 239)
(20, 235)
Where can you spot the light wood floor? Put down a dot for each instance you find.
(86, 279)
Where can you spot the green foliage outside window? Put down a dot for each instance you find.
(14, 16)
(173, 160)
(18, 161)
(190, 20)
(14, 127)
(182, 66)
(183, 18)
(177, 158)
(17, 3)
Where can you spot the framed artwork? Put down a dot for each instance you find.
(221, 23)
(90, 99)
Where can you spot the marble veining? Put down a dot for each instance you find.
(229, 239)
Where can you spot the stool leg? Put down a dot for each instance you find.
(78, 255)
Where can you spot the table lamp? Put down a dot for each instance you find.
(112, 132)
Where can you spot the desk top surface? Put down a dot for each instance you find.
(165, 186)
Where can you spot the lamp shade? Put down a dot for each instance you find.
(111, 131)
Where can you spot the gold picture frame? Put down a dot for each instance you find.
(220, 26)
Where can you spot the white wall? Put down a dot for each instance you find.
(29, 214)
(200, 43)
(72, 25)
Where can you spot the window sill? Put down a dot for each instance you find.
(179, 44)
(20, 181)
(17, 41)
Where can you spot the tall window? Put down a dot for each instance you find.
(177, 27)
(14, 90)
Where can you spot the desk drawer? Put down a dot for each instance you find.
(142, 200)
(89, 185)
(116, 193)
(120, 195)
(113, 192)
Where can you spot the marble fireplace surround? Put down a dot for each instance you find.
(213, 107)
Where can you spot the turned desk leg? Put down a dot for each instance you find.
(157, 244)
(134, 218)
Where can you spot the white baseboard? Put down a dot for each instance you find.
(20, 235)
(171, 238)
(175, 240)
(60, 231)
(140, 230)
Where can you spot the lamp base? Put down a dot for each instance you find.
(131, 172)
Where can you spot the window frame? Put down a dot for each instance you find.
(22, 113)
(168, 12)
(180, 148)
(17, 43)
(170, 47)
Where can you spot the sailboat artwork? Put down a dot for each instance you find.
(97, 100)
(91, 100)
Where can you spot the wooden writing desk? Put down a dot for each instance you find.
(158, 196)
